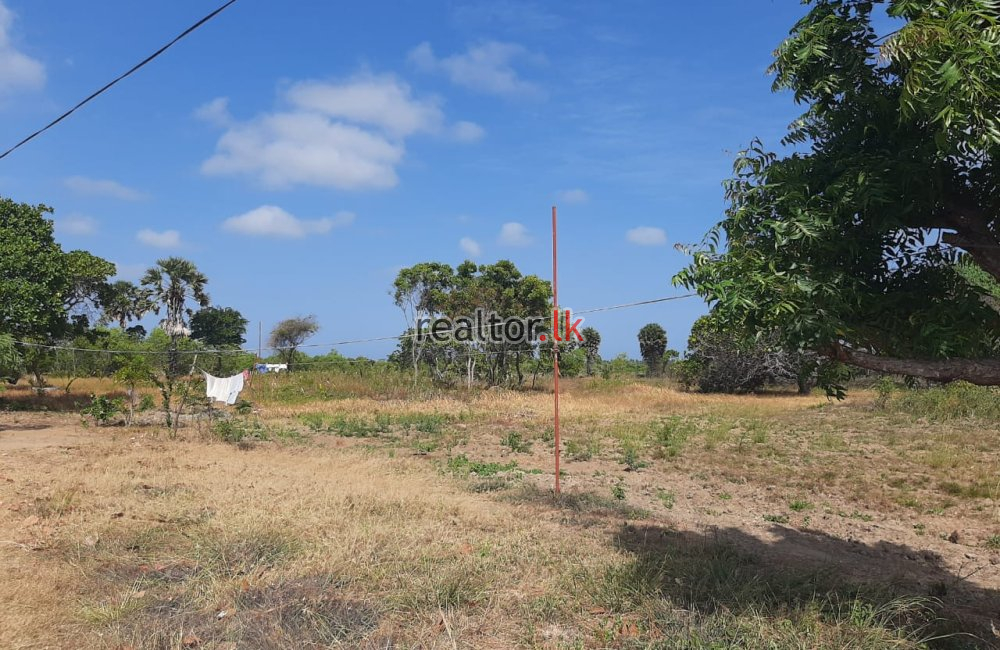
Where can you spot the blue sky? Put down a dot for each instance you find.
(301, 153)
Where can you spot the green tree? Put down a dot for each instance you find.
(419, 291)
(652, 346)
(172, 284)
(88, 281)
(591, 347)
(39, 283)
(849, 246)
(219, 328)
(430, 290)
(289, 334)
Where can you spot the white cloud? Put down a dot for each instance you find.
(272, 221)
(467, 131)
(647, 236)
(514, 234)
(573, 196)
(486, 67)
(18, 71)
(165, 239)
(102, 187)
(382, 102)
(215, 112)
(470, 247)
(76, 224)
(349, 135)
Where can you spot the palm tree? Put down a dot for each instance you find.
(123, 301)
(171, 283)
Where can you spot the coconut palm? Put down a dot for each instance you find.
(171, 284)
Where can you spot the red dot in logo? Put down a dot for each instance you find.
(542, 337)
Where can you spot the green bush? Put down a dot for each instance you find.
(103, 408)
(516, 442)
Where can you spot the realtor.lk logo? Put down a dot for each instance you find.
(488, 327)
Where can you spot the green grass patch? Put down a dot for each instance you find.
(461, 466)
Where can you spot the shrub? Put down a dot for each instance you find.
(726, 362)
(103, 408)
(516, 442)
(618, 490)
(630, 456)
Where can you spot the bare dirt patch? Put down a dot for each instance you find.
(24, 430)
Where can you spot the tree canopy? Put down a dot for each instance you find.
(172, 284)
(850, 244)
(433, 290)
(290, 333)
(40, 285)
(219, 327)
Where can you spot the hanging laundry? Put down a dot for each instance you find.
(260, 367)
(224, 389)
(275, 367)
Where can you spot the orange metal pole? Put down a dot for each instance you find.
(555, 342)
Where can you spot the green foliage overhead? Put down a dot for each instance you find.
(848, 246)
(39, 283)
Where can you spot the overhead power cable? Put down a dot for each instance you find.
(117, 79)
(634, 304)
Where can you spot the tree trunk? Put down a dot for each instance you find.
(982, 372)
(972, 233)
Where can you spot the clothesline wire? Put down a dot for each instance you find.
(397, 337)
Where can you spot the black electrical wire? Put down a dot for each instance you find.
(116, 80)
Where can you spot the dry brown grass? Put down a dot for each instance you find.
(405, 526)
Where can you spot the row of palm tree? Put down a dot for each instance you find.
(170, 285)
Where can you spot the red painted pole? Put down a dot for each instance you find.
(555, 342)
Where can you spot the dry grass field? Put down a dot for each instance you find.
(358, 513)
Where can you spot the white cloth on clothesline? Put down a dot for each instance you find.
(223, 389)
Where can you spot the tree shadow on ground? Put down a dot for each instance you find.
(908, 591)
